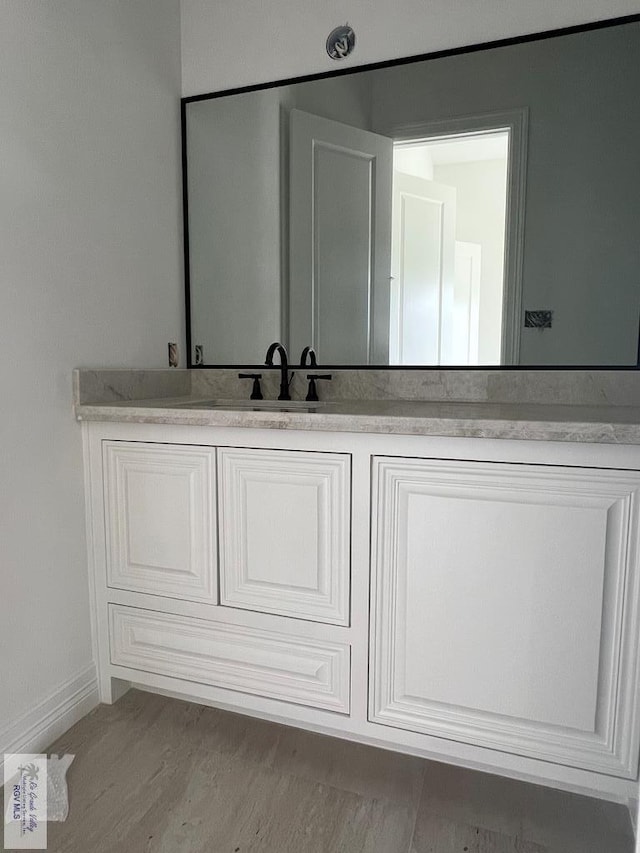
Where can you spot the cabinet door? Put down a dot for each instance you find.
(285, 532)
(160, 519)
(503, 608)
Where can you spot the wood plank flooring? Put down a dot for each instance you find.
(158, 775)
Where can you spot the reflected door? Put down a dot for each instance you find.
(466, 302)
(423, 271)
(340, 240)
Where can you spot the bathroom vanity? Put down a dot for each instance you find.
(440, 562)
(458, 581)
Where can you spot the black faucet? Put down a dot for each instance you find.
(310, 353)
(285, 379)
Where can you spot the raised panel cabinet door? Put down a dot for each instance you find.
(284, 528)
(160, 519)
(504, 608)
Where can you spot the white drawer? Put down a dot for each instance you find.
(265, 663)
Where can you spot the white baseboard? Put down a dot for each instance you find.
(50, 718)
(633, 814)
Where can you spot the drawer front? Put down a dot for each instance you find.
(285, 532)
(160, 519)
(265, 663)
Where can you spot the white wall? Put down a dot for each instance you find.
(413, 160)
(90, 274)
(234, 225)
(230, 43)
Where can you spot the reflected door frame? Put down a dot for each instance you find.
(516, 122)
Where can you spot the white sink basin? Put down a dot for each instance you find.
(255, 405)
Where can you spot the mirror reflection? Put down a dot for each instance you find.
(478, 209)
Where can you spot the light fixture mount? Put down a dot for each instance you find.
(341, 42)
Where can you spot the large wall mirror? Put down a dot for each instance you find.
(480, 208)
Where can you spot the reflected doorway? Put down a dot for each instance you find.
(449, 248)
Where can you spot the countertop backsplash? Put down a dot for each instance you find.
(565, 387)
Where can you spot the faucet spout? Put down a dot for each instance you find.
(276, 346)
(308, 357)
(285, 379)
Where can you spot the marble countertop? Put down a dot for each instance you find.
(549, 422)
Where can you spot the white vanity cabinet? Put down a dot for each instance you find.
(467, 600)
(499, 599)
(227, 529)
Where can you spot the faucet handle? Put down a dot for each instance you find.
(256, 391)
(312, 393)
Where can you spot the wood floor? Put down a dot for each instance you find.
(163, 776)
